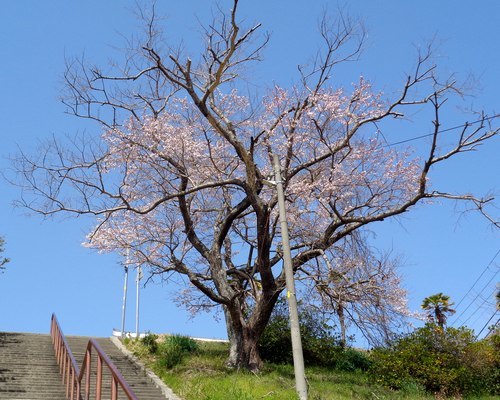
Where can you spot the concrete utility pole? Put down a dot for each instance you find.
(298, 356)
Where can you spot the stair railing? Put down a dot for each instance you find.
(72, 375)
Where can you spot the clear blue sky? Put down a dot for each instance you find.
(51, 272)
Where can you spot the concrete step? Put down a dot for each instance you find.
(28, 369)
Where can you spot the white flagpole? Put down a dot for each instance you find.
(124, 304)
(139, 277)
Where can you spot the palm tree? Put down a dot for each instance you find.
(437, 307)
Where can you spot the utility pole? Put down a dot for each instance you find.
(298, 356)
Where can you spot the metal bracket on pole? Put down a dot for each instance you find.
(270, 183)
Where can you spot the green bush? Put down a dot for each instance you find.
(172, 349)
(351, 360)
(321, 347)
(275, 344)
(150, 341)
(449, 362)
(170, 355)
(186, 344)
(483, 361)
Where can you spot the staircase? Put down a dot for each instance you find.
(142, 386)
(28, 368)
(29, 371)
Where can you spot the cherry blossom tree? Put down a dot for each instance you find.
(178, 174)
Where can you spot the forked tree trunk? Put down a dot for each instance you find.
(244, 335)
(244, 351)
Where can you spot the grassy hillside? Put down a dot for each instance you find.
(201, 375)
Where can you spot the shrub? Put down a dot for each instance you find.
(352, 360)
(483, 360)
(170, 355)
(150, 341)
(172, 349)
(275, 344)
(186, 344)
(321, 347)
(448, 362)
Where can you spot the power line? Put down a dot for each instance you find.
(479, 317)
(443, 130)
(486, 324)
(472, 287)
(485, 300)
(465, 125)
(483, 289)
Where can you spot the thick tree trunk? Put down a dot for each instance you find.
(243, 346)
(244, 352)
(244, 334)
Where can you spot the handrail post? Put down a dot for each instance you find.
(87, 373)
(65, 380)
(78, 390)
(114, 389)
(72, 384)
(62, 360)
(98, 383)
(63, 366)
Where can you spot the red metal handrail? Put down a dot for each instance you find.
(73, 376)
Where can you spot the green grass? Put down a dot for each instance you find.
(202, 376)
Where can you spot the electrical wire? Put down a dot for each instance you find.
(484, 301)
(465, 125)
(480, 276)
(472, 287)
(486, 324)
(476, 313)
(443, 130)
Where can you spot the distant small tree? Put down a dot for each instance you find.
(3, 260)
(437, 307)
(363, 289)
